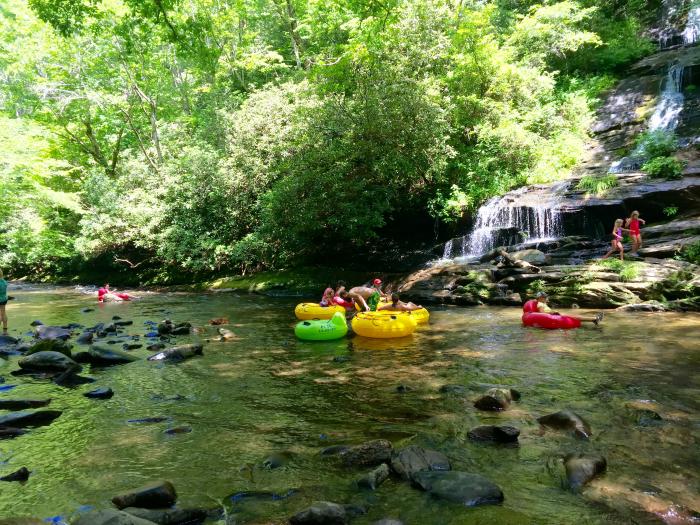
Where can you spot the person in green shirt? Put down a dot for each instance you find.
(3, 302)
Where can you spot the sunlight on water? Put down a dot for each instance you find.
(268, 392)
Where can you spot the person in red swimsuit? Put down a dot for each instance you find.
(633, 224)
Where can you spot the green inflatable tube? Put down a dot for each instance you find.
(322, 330)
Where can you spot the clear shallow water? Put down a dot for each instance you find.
(267, 393)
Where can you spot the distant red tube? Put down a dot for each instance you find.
(531, 317)
(550, 321)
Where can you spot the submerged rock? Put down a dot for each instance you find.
(100, 393)
(567, 420)
(109, 517)
(367, 454)
(132, 346)
(169, 516)
(276, 460)
(19, 475)
(156, 495)
(50, 345)
(48, 361)
(51, 332)
(8, 340)
(335, 450)
(374, 478)
(11, 432)
(85, 338)
(388, 521)
(496, 399)
(493, 433)
(156, 419)
(22, 404)
(321, 513)
(122, 323)
(155, 347)
(411, 460)
(182, 429)
(106, 356)
(452, 389)
(459, 487)
(581, 468)
(178, 353)
(29, 419)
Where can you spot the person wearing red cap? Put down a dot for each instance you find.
(371, 295)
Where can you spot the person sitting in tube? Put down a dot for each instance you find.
(543, 308)
(396, 305)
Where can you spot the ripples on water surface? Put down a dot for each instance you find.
(269, 393)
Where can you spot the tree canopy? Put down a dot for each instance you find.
(175, 138)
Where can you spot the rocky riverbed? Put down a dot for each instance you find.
(472, 417)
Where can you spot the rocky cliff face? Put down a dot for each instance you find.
(567, 265)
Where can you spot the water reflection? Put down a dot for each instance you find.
(268, 392)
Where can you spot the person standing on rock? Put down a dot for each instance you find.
(635, 232)
(3, 302)
(617, 240)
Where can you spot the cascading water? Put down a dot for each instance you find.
(668, 110)
(665, 117)
(692, 27)
(508, 220)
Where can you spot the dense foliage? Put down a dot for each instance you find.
(175, 138)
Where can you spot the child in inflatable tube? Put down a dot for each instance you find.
(104, 294)
(537, 313)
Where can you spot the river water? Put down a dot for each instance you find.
(267, 393)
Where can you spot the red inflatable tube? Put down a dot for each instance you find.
(550, 321)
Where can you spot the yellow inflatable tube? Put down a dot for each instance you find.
(308, 311)
(381, 326)
(420, 316)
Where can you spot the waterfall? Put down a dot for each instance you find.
(670, 104)
(523, 215)
(692, 27)
(669, 12)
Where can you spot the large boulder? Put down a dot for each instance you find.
(369, 454)
(105, 356)
(43, 331)
(48, 361)
(109, 517)
(178, 353)
(321, 513)
(567, 420)
(581, 468)
(494, 434)
(496, 399)
(459, 487)
(23, 419)
(160, 494)
(408, 461)
(535, 257)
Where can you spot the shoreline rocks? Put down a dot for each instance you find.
(497, 399)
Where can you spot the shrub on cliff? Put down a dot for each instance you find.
(663, 168)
